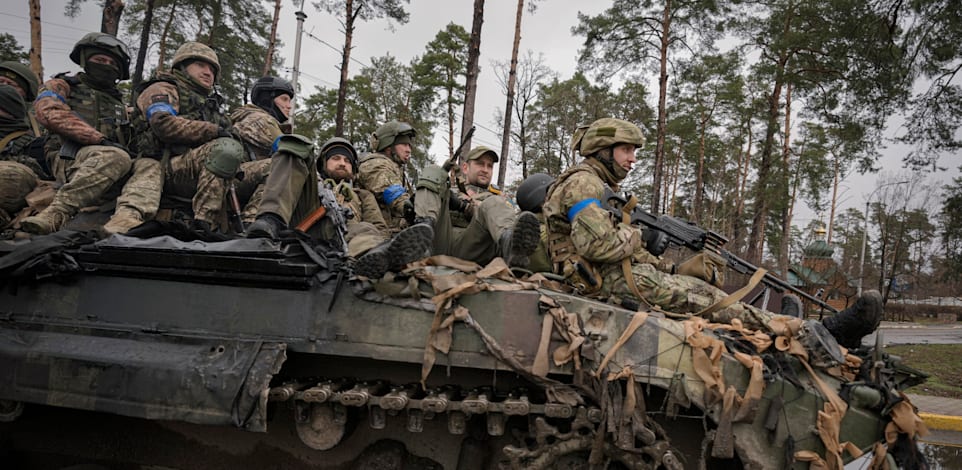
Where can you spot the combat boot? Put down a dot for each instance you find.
(49, 220)
(850, 325)
(517, 244)
(123, 220)
(266, 225)
(410, 244)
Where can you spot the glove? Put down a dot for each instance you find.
(456, 202)
(221, 132)
(705, 265)
(109, 143)
(656, 242)
(409, 211)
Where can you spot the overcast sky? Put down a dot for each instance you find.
(547, 31)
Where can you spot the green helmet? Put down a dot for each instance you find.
(225, 157)
(102, 43)
(604, 133)
(196, 51)
(23, 75)
(338, 146)
(388, 134)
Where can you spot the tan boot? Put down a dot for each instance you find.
(49, 220)
(123, 220)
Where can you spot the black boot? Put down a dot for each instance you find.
(517, 244)
(850, 325)
(410, 244)
(266, 225)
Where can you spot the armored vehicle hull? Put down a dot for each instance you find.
(254, 354)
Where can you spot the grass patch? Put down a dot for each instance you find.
(940, 361)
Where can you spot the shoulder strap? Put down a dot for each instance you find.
(9, 138)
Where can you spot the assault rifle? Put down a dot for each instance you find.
(664, 230)
(452, 163)
(329, 207)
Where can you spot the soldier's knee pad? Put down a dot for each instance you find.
(434, 179)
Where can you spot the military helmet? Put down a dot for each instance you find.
(479, 151)
(225, 157)
(102, 43)
(338, 146)
(196, 51)
(23, 75)
(265, 89)
(387, 135)
(533, 190)
(604, 133)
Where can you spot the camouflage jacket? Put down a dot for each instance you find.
(70, 108)
(578, 225)
(257, 129)
(362, 203)
(376, 173)
(174, 116)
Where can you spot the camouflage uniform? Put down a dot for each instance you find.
(580, 231)
(258, 130)
(378, 172)
(18, 172)
(86, 111)
(179, 121)
(26, 82)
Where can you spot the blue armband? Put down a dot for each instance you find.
(575, 209)
(50, 94)
(160, 108)
(276, 143)
(392, 192)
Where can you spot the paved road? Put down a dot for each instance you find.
(914, 333)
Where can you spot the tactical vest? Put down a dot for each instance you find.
(103, 110)
(561, 250)
(193, 106)
(17, 147)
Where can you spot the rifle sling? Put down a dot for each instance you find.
(735, 296)
(626, 263)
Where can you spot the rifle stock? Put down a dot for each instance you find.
(683, 233)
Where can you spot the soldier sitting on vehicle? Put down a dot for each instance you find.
(475, 222)
(87, 119)
(179, 121)
(609, 258)
(18, 171)
(258, 124)
(291, 193)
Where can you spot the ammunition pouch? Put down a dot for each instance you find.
(433, 178)
(577, 271)
(705, 265)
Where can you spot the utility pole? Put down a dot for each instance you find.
(296, 71)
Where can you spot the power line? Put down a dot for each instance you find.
(335, 49)
(51, 23)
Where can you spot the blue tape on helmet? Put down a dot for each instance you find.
(50, 94)
(160, 108)
(575, 209)
(392, 192)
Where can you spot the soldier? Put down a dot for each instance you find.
(382, 172)
(291, 194)
(609, 259)
(87, 121)
(475, 222)
(18, 172)
(179, 121)
(258, 124)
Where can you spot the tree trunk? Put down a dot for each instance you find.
(110, 22)
(744, 162)
(835, 182)
(512, 77)
(659, 163)
(36, 63)
(471, 84)
(700, 170)
(272, 43)
(450, 93)
(350, 16)
(162, 56)
(144, 43)
(785, 242)
(216, 16)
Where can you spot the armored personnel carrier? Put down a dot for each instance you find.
(159, 353)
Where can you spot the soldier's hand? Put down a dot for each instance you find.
(456, 202)
(221, 132)
(109, 143)
(409, 211)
